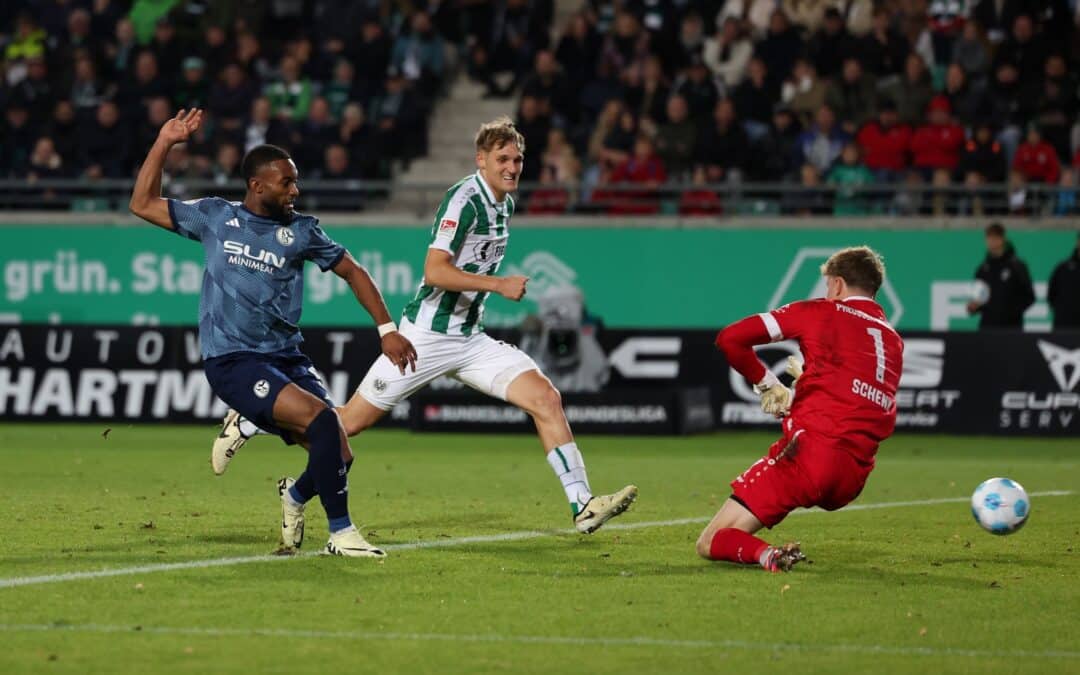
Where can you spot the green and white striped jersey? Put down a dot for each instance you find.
(474, 229)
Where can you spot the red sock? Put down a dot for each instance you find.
(736, 546)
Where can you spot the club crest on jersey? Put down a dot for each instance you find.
(447, 225)
(261, 388)
(285, 236)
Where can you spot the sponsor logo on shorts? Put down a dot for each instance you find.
(379, 385)
(285, 236)
(447, 225)
(261, 388)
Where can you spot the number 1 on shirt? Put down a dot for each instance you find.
(879, 352)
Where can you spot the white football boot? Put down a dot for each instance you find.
(227, 443)
(292, 517)
(349, 542)
(602, 508)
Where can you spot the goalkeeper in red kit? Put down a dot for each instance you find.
(842, 407)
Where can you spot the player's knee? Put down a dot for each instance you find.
(312, 410)
(704, 544)
(547, 403)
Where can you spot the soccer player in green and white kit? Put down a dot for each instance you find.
(444, 324)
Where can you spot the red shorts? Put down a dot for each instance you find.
(811, 472)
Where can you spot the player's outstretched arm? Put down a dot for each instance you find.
(440, 271)
(737, 341)
(395, 345)
(146, 201)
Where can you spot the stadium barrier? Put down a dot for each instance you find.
(615, 381)
(645, 276)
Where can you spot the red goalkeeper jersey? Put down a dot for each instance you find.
(852, 364)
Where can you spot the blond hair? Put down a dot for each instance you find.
(497, 133)
(859, 266)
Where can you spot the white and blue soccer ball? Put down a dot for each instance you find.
(1000, 506)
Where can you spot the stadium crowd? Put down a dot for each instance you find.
(930, 98)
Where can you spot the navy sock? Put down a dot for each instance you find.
(325, 467)
(303, 490)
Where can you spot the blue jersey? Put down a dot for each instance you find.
(253, 284)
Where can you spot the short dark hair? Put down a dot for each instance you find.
(859, 266)
(996, 229)
(260, 156)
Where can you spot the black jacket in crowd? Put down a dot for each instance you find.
(1011, 291)
(1063, 294)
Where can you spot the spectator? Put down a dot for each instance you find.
(675, 139)
(649, 101)
(400, 129)
(547, 84)
(315, 133)
(122, 49)
(805, 93)
(728, 53)
(886, 143)
(74, 43)
(883, 50)
(982, 161)
(754, 99)
(192, 91)
(229, 100)
(820, 145)
(1008, 284)
(35, 90)
(167, 49)
(724, 148)
(550, 198)
(215, 50)
(226, 167)
(831, 44)
(699, 89)
(1063, 292)
(699, 200)
(27, 40)
(371, 58)
(968, 100)
(18, 137)
(626, 45)
(1023, 50)
(534, 123)
(848, 175)
(1036, 161)
(1009, 108)
(106, 152)
(420, 53)
(811, 199)
(578, 49)
(87, 90)
(852, 96)
(335, 164)
(1056, 108)
(911, 91)
(756, 13)
(145, 85)
(772, 157)
(608, 123)
(947, 20)
(249, 56)
(559, 158)
(969, 52)
(690, 42)
(935, 148)
(997, 17)
(45, 162)
(642, 168)
(158, 111)
(263, 127)
(781, 46)
(290, 94)
(64, 131)
(806, 14)
(357, 137)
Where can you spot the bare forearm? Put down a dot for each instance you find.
(148, 183)
(368, 295)
(450, 278)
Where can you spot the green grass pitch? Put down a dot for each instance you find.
(905, 586)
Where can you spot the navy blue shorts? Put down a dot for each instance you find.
(249, 382)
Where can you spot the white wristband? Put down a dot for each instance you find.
(388, 327)
(768, 381)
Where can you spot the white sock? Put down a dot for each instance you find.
(248, 428)
(570, 468)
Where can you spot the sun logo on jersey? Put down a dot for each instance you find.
(285, 236)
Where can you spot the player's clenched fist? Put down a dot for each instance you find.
(776, 400)
(180, 128)
(513, 287)
(399, 350)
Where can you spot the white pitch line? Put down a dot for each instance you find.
(637, 641)
(12, 582)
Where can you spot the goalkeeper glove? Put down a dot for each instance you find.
(794, 369)
(775, 397)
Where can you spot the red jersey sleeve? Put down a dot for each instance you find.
(791, 321)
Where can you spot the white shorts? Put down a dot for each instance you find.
(478, 360)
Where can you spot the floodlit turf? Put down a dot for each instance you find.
(897, 589)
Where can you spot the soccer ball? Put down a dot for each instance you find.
(1000, 506)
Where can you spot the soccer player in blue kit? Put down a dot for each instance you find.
(250, 305)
